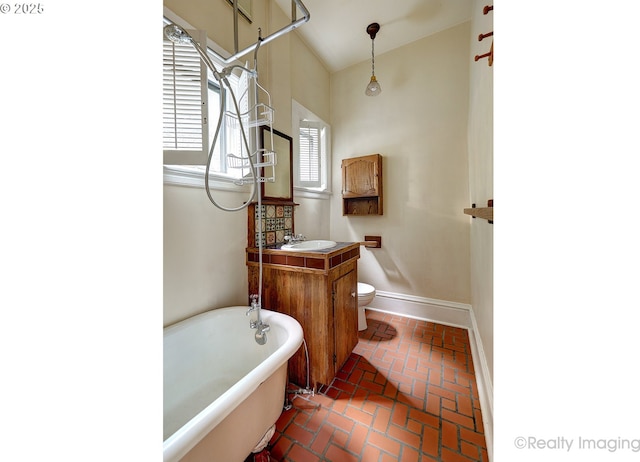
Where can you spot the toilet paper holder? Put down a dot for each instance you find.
(372, 242)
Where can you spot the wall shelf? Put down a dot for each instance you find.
(481, 212)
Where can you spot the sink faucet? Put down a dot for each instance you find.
(292, 239)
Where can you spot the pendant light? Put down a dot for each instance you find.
(373, 89)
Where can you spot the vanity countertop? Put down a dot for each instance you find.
(317, 260)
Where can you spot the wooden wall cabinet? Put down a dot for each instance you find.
(362, 185)
(321, 293)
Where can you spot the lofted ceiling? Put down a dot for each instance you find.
(337, 28)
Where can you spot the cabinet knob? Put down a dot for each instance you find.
(353, 294)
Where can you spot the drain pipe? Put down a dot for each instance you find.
(300, 391)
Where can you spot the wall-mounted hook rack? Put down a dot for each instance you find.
(481, 212)
(489, 55)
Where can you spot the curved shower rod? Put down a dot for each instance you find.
(263, 41)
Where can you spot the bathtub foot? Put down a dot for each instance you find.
(262, 456)
(262, 444)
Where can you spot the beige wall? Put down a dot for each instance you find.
(203, 252)
(481, 180)
(419, 125)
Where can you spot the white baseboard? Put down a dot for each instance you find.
(484, 383)
(451, 314)
(440, 311)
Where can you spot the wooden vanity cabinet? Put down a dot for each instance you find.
(362, 185)
(321, 294)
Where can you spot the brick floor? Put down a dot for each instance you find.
(406, 393)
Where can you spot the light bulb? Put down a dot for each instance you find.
(373, 89)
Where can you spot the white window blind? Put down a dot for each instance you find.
(310, 165)
(184, 103)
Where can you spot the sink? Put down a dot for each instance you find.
(318, 244)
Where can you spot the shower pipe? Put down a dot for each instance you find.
(177, 34)
(286, 29)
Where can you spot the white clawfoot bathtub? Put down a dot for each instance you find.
(223, 391)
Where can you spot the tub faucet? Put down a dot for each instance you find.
(255, 306)
(260, 326)
(261, 332)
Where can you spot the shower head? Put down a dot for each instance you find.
(177, 34)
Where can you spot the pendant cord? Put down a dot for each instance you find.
(373, 59)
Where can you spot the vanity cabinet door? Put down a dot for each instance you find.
(345, 316)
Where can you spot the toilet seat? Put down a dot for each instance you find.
(365, 290)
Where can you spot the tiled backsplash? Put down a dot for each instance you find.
(277, 222)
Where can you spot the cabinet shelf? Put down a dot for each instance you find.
(361, 206)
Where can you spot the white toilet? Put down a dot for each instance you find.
(366, 293)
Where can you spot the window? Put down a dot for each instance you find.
(192, 104)
(184, 103)
(229, 139)
(311, 151)
(310, 165)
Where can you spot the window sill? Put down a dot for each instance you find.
(311, 193)
(193, 178)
